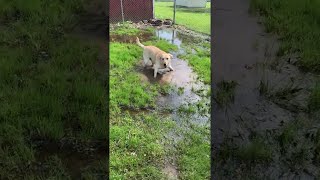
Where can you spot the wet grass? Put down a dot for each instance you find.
(126, 93)
(194, 154)
(256, 150)
(129, 30)
(314, 99)
(298, 143)
(294, 146)
(188, 17)
(297, 24)
(281, 95)
(135, 141)
(200, 60)
(135, 145)
(225, 93)
(51, 88)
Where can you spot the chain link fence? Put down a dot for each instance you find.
(192, 14)
(130, 10)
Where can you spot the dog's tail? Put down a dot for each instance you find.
(138, 42)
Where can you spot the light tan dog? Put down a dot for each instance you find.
(161, 60)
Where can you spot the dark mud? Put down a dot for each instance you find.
(271, 91)
(143, 36)
(236, 59)
(74, 156)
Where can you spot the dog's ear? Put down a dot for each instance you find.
(170, 55)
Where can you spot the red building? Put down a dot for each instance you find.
(133, 10)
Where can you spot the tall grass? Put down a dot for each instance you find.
(50, 88)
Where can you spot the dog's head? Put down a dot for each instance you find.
(166, 59)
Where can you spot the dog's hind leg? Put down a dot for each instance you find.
(145, 60)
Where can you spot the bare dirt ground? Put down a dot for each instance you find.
(245, 54)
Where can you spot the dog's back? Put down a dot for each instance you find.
(150, 51)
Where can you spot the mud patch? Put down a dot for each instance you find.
(131, 39)
(76, 157)
(170, 171)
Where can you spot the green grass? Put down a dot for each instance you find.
(194, 154)
(129, 30)
(126, 93)
(225, 93)
(197, 19)
(200, 61)
(297, 24)
(51, 88)
(136, 151)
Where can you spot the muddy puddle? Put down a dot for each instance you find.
(74, 158)
(130, 39)
(270, 93)
(248, 61)
(183, 78)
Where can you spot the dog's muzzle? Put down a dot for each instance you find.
(165, 65)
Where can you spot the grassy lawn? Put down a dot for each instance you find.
(51, 90)
(138, 146)
(197, 19)
(194, 154)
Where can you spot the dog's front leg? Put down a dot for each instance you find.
(170, 67)
(162, 71)
(155, 72)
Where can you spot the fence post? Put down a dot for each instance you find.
(174, 12)
(122, 11)
(153, 13)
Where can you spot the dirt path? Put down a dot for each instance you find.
(245, 54)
